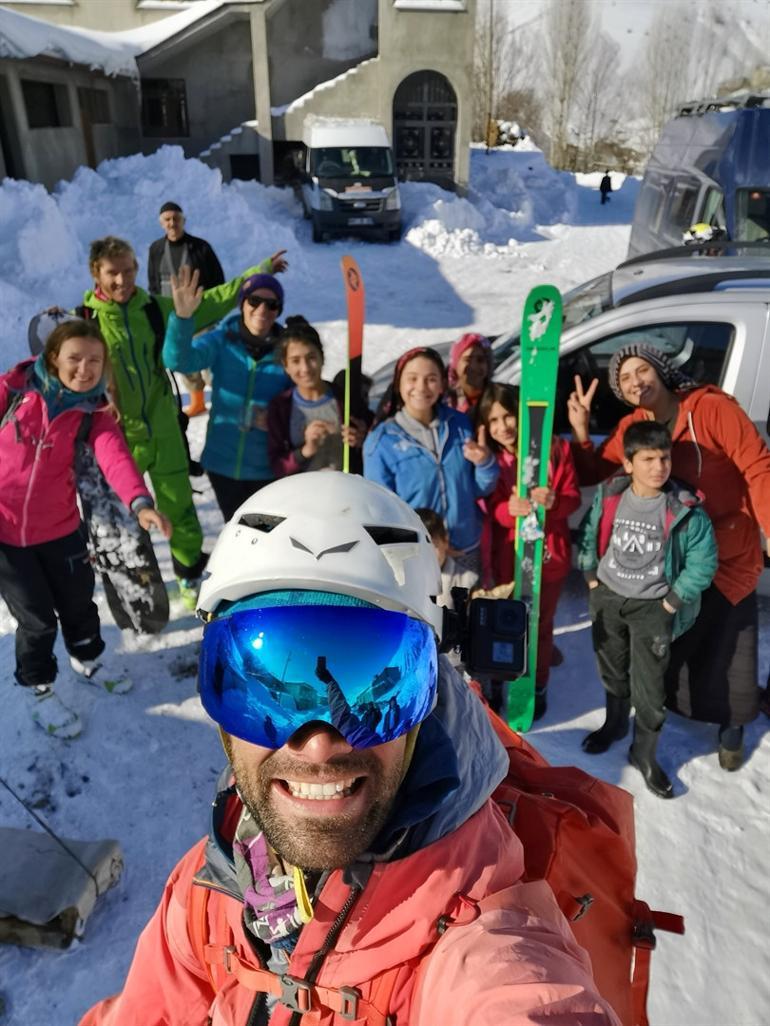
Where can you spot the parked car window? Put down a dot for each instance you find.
(579, 305)
(752, 215)
(700, 348)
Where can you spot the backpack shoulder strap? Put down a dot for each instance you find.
(154, 315)
(15, 397)
(84, 428)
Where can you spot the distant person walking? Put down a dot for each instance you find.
(605, 187)
(176, 249)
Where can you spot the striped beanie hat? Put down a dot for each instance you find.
(671, 376)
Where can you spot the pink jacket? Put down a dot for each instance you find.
(511, 960)
(37, 479)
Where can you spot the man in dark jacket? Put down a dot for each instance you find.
(605, 187)
(165, 258)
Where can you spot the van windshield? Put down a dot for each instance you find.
(580, 304)
(351, 162)
(752, 215)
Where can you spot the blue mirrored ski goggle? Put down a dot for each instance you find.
(266, 672)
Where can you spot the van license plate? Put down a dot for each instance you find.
(360, 220)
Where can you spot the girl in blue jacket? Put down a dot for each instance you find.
(426, 453)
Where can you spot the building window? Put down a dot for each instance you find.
(164, 107)
(95, 104)
(47, 104)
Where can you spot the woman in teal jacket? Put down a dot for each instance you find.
(246, 376)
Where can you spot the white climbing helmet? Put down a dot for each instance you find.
(326, 531)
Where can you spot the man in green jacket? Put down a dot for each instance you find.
(131, 321)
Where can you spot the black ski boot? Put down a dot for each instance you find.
(615, 726)
(642, 755)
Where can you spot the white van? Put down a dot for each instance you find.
(348, 182)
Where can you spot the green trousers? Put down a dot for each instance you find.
(163, 456)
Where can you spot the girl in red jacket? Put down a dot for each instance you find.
(45, 572)
(498, 413)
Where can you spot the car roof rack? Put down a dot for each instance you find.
(724, 247)
(738, 101)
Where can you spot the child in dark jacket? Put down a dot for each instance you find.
(45, 572)
(498, 412)
(305, 429)
(648, 551)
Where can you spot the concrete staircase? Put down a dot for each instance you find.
(239, 141)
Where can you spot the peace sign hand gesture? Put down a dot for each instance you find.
(186, 291)
(579, 408)
(477, 451)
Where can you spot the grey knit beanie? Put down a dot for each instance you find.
(670, 375)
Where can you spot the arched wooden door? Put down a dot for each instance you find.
(424, 124)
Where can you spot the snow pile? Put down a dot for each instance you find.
(512, 191)
(44, 251)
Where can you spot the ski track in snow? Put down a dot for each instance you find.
(145, 769)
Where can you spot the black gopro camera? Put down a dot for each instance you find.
(490, 633)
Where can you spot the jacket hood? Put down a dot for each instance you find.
(458, 762)
(679, 496)
(59, 398)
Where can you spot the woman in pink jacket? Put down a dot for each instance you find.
(45, 572)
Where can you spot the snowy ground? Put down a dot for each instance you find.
(144, 770)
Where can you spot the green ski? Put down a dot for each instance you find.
(540, 332)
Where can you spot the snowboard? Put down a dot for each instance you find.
(121, 551)
(540, 333)
(356, 298)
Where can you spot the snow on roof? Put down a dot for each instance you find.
(147, 37)
(114, 53)
(22, 36)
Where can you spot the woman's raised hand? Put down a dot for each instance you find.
(186, 291)
(579, 408)
(278, 262)
(477, 451)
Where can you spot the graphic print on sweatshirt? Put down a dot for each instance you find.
(633, 564)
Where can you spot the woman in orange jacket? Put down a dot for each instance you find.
(716, 449)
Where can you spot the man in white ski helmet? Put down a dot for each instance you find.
(357, 869)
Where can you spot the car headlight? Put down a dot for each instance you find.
(325, 202)
(393, 202)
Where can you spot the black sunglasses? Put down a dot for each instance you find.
(257, 301)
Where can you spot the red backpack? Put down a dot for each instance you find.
(578, 835)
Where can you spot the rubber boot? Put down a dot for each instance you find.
(541, 703)
(615, 726)
(641, 754)
(197, 404)
(731, 748)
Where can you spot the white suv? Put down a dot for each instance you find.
(709, 314)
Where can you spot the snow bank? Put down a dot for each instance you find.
(44, 249)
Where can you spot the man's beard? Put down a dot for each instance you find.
(307, 841)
